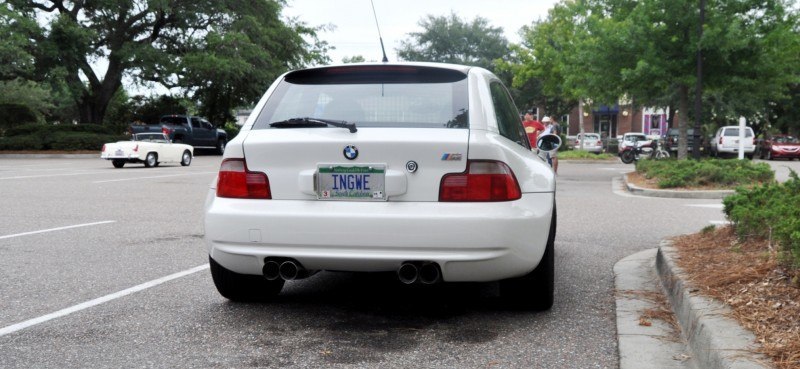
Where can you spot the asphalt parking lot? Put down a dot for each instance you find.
(107, 268)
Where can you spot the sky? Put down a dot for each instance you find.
(356, 32)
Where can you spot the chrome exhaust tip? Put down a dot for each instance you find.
(271, 270)
(408, 273)
(289, 270)
(429, 273)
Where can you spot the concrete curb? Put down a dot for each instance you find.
(699, 194)
(644, 346)
(49, 156)
(715, 340)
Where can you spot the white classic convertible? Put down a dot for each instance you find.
(148, 148)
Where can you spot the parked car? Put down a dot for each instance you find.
(187, 129)
(778, 147)
(629, 138)
(591, 142)
(726, 141)
(672, 140)
(422, 169)
(151, 149)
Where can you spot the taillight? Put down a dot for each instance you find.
(104, 149)
(136, 148)
(720, 140)
(237, 182)
(599, 142)
(483, 181)
(166, 130)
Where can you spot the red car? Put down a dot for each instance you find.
(780, 146)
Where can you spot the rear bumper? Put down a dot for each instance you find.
(130, 157)
(733, 150)
(470, 241)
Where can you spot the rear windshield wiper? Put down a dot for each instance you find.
(313, 122)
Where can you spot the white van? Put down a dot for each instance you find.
(726, 141)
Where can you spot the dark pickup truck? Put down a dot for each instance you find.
(187, 129)
(672, 140)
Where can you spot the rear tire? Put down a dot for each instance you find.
(627, 157)
(243, 287)
(186, 159)
(535, 290)
(118, 163)
(151, 160)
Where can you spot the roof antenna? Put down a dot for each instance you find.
(385, 59)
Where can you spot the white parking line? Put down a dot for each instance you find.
(712, 206)
(164, 176)
(57, 229)
(100, 300)
(719, 222)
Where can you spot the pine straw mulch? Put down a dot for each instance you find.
(763, 294)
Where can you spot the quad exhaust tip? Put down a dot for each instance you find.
(426, 272)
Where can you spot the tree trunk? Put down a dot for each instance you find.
(683, 120)
(94, 100)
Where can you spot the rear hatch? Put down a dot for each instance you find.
(730, 138)
(390, 164)
(405, 126)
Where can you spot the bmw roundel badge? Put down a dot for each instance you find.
(350, 152)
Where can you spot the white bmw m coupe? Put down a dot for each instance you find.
(421, 169)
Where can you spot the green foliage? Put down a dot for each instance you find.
(150, 109)
(769, 211)
(449, 39)
(231, 129)
(221, 53)
(584, 155)
(22, 102)
(58, 137)
(20, 143)
(353, 59)
(719, 173)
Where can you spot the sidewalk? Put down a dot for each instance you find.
(708, 339)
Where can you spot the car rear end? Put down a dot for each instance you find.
(429, 179)
(728, 140)
(591, 143)
(122, 150)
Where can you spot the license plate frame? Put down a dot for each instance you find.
(361, 182)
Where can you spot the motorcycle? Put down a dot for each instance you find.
(650, 150)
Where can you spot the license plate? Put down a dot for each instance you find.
(119, 153)
(351, 182)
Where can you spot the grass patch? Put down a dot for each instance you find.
(584, 155)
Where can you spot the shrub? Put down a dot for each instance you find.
(710, 172)
(20, 143)
(769, 211)
(583, 154)
(231, 129)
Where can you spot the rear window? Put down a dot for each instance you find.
(734, 132)
(174, 120)
(372, 96)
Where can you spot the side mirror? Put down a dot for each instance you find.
(548, 143)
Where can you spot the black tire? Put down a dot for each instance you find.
(627, 157)
(221, 146)
(243, 287)
(535, 290)
(118, 163)
(186, 159)
(151, 159)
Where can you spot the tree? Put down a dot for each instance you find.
(606, 49)
(453, 40)
(222, 52)
(353, 59)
